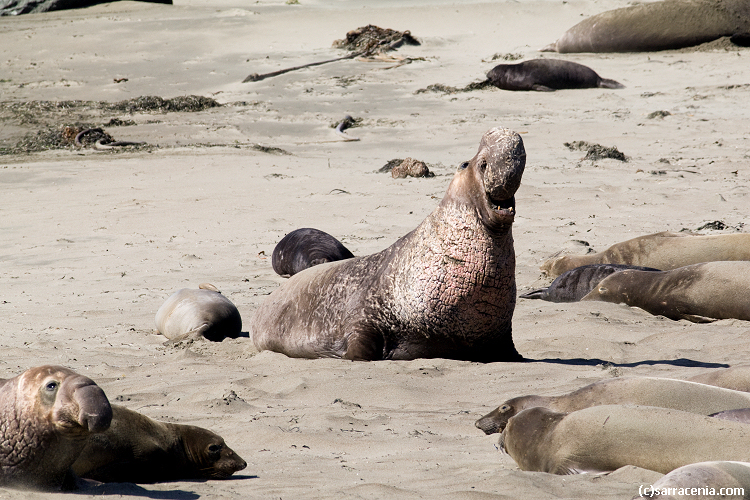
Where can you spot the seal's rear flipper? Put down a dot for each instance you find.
(606, 83)
(534, 294)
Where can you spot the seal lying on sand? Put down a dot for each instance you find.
(306, 247)
(648, 391)
(547, 75)
(573, 285)
(700, 293)
(446, 289)
(192, 314)
(670, 24)
(739, 415)
(699, 478)
(736, 378)
(137, 449)
(663, 251)
(46, 414)
(605, 438)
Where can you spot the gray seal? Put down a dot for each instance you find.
(547, 75)
(648, 391)
(700, 293)
(446, 289)
(669, 24)
(202, 313)
(573, 285)
(306, 247)
(698, 481)
(663, 251)
(137, 449)
(47, 413)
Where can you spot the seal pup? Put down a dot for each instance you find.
(669, 24)
(647, 391)
(446, 289)
(701, 479)
(47, 413)
(573, 285)
(137, 449)
(700, 293)
(306, 247)
(605, 438)
(663, 251)
(546, 75)
(734, 377)
(192, 314)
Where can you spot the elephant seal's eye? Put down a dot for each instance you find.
(463, 165)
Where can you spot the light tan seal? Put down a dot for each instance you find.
(194, 314)
(137, 449)
(446, 289)
(647, 391)
(700, 293)
(605, 438)
(702, 481)
(663, 251)
(734, 377)
(47, 413)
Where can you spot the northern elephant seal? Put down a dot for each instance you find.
(446, 289)
(573, 285)
(702, 481)
(647, 391)
(46, 415)
(137, 449)
(306, 247)
(734, 377)
(547, 75)
(669, 24)
(605, 438)
(192, 314)
(663, 251)
(699, 293)
(738, 415)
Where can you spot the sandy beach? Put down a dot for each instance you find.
(95, 241)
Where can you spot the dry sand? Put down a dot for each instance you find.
(94, 242)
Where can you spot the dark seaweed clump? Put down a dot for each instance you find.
(151, 103)
(446, 89)
(596, 151)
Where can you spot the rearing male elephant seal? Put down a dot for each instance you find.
(137, 449)
(699, 293)
(547, 75)
(192, 314)
(647, 391)
(46, 414)
(446, 289)
(605, 438)
(702, 481)
(306, 247)
(573, 285)
(670, 24)
(663, 251)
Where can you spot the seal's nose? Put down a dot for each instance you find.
(95, 412)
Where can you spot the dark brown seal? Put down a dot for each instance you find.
(648, 391)
(661, 251)
(547, 75)
(202, 313)
(47, 413)
(573, 285)
(446, 289)
(700, 293)
(670, 24)
(306, 247)
(137, 449)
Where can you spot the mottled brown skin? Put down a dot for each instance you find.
(546, 75)
(198, 314)
(306, 247)
(605, 438)
(573, 285)
(447, 289)
(736, 378)
(46, 415)
(663, 251)
(647, 391)
(700, 293)
(706, 476)
(137, 449)
(670, 24)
